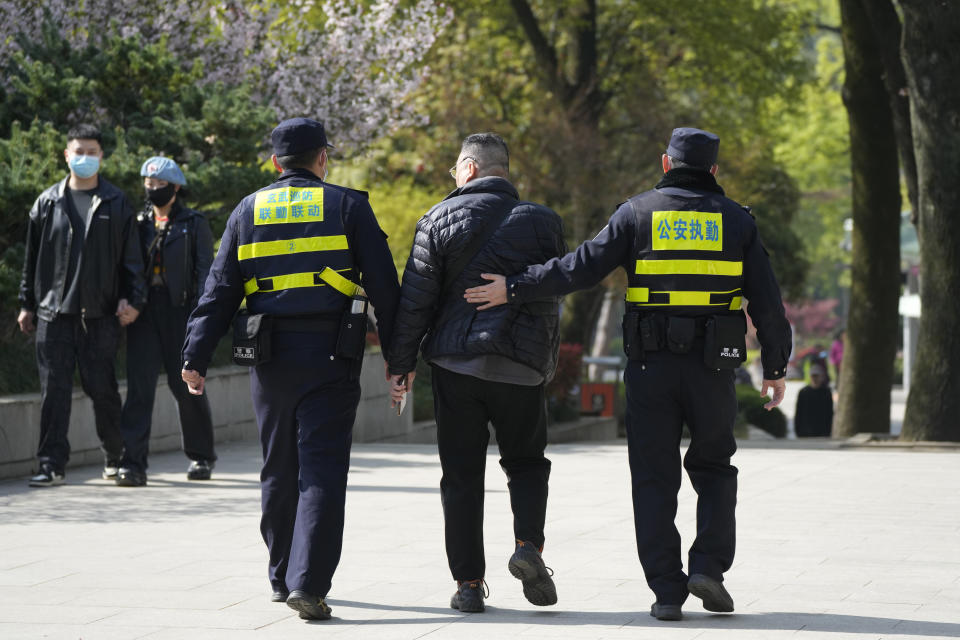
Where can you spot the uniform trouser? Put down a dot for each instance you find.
(463, 406)
(64, 343)
(663, 394)
(155, 341)
(305, 403)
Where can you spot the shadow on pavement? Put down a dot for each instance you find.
(778, 620)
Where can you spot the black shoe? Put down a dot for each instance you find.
(199, 470)
(469, 596)
(279, 596)
(666, 611)
(527, 565)
(310, 607)
(110, 469)
(47, 477)
(712, 592)
(131, 478)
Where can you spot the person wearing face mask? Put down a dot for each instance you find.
(177, 250)
(82, 280)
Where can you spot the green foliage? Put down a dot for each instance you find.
(398, 206)
(750, 410)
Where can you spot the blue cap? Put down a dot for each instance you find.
(694, 146)
(297, 135)
(163, 169)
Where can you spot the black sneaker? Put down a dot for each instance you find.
(666, 611)
(469, 596)
(110, 469)
(47, 477)
(527, 565)
(309, 606)
(712, 592)
(199, 470)
(279, 595)
(131, 478)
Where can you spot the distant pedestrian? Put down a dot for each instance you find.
(177, 251)
(836, 351)
(814, 415)
(82, 280)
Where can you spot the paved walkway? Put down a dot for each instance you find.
(833, 544)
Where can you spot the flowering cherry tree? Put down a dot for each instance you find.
(351, 64)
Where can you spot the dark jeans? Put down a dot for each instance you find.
(154, 342)
(464, 405)
(63, 344)
(306, 402)
(663, 394)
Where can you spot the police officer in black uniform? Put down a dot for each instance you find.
(692, 256)
(295, 250)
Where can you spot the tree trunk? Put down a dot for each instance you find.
(871, 336)
(888, 33)
(931, 56)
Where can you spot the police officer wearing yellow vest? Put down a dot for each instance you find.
(692, 256)
(295, 250)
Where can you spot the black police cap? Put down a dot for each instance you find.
(297, 135)
(694, 146)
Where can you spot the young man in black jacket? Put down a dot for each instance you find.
(488, 367)
(82, 280)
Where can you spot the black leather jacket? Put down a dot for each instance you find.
(530, 234)
(111, 264)
(187, 252)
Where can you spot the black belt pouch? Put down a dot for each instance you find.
(725, 342)
(680, 334)
(352, 338)
(251, 339)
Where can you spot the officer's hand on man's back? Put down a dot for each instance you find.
(489, 295)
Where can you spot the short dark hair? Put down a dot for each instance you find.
(85, 131)
(680, 164)
(300, 160)
(489, 150)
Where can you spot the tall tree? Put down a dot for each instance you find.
(871, 336)
(931, 57)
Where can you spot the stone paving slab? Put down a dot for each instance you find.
(833, 543)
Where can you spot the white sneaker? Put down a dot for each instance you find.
(47, 477)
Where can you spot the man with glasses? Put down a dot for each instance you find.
(488, 367)
(691, 255)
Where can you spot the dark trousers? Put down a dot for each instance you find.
(63, 344)
(305, 404)
(663, 393)
(154, 342)
(464, 405)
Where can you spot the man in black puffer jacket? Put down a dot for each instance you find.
(487, 366)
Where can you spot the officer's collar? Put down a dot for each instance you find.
(489, 184)
(686, 178)
(289, 174)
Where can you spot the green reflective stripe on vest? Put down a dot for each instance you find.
(690, 267)
(294, 281)
(338, 282)
(645, 297)
(294, 245)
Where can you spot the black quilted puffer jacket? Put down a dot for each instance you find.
(530, 234)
